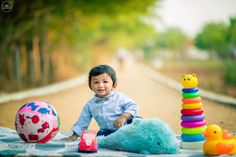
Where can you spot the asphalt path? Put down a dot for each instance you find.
(154, 98)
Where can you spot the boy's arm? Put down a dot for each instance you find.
(126, 115)
(122, 119)
(131, 109)
(73, 137)
(83, 121)
(81, 124)
(130, 106)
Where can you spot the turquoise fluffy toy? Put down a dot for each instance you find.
(145, 136)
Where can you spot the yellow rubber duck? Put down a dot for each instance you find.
(189, 80)
(218, 142)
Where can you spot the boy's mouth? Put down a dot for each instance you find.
(101, 90)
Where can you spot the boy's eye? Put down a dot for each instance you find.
(105, 81)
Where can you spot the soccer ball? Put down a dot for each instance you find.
(37, 122)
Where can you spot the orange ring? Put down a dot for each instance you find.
(191, 100)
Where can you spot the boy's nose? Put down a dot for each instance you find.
(100, 84)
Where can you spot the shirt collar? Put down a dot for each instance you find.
(99, 99)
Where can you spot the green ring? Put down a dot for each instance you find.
(198, 130)
(190, 95)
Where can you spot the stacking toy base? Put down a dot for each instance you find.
(192, 145)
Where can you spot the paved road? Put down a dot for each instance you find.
(154, 98)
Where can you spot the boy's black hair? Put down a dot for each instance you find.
(101, 69)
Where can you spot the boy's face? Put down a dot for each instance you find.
(102, 85)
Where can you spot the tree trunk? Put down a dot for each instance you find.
(45, 65)
(31, 64)
(24, 63)
(52, 71)
(36, 51)
(3, 59)
(16, 66)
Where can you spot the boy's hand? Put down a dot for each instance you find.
(119, 122)
(72, 137)
(122, 119)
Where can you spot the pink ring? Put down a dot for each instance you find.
(193, 124)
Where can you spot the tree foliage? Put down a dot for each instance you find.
(33, 30)
(173, 38)
(218, 38)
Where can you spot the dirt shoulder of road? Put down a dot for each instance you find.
(154, 98)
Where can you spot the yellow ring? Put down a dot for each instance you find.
(191, 131)
(192, 106)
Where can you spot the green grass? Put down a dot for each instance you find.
(214, 75)
(230, 73)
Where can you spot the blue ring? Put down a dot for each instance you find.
(192, 118)
(189, 90)
(192, 138)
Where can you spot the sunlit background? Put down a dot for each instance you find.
(45, 42)
(48, 41)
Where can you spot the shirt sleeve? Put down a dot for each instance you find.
(130, 106)
(83, 121)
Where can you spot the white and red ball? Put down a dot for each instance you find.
(37, 122)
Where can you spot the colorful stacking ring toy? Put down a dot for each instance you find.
(189, 112)
(191, 145)
(192, 106)
(193, 118)
(189, 90)
(192, 138)
(193, 124)
(190, 95)
(191, 100)
(191, 131)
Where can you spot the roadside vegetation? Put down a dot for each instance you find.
(211, 74)
(43, 42)
(211, 54)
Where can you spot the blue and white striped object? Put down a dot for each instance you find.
(12, 145)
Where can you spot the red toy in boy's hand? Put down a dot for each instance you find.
(88, 142)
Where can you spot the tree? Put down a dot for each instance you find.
(231, 37)
(35, 30)
(213, 38)
(173, 38)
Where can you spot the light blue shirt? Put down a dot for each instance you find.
(105, 111)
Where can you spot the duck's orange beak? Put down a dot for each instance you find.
(205, 134)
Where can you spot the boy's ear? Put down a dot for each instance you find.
(114, 85)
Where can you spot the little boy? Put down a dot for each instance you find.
(110, 109)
